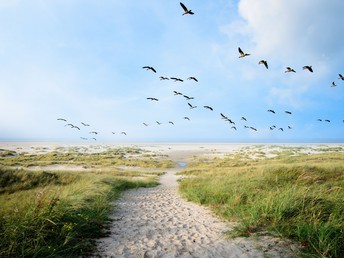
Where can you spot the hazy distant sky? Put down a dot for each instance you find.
(82, 60)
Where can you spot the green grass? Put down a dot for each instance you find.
(61, 213)
(295, 195)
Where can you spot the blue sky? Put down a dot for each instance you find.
(82, 61)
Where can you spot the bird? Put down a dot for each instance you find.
(124, 133)
(176, 79)
(327, 120)
(242, 54)
(170, 122)
(149, 68)
(289, 69)
(280, 129)
(207, 107)
(145, 124)
(308, 67)
(271, 111)
(163, 78)
(62, 119)
(158, 122)
(113, 132)
(191, 106)
(243, 118)
(94, 138)
(289, 127)
(186, 10)
(333, 84)
(193, 78)
(223, 116)
(186, 118)
(265, 63)
(271, 128)
(320, 120)
(287, 112)
(84, 124)
(83, 138)
(341, 77)
(76, 127)
(93, 132)
(187, 97)
(233, 127)
(254, 129)
(177, 93)
(230, 121)
(155, 99)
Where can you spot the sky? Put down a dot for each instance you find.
(82, 61)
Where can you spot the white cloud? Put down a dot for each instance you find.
(293, 28)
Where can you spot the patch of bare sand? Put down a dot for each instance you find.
(157, 222)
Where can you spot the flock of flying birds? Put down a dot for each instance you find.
(189, 99)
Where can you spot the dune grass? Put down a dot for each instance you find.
(294, 194)
(61, 213)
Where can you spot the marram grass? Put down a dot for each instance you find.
(61, 213)
(299, 196)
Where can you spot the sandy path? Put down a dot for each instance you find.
(157, 222)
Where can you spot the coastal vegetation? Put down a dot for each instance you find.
(289, 192)
(58, 213)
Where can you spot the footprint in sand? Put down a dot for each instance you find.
(157, 222)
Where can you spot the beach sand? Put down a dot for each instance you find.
(158, 222)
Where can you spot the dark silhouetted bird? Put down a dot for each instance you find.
(177, 93)
(271, 111)
(308, 67)
(280, 129)
(265, 63)
(158, 122)
(153, 99)
(187, 97)
(207, 107)
(327, 120)
(333, 84)
(176, 79)
(341, 77)
(289, 70)
(93, 132)
(186, 10)
(287, 112)
(149, 68)
(254, 129)
(193, 78)
(171, 122)
(233, 127)
(320, 120)
(242, 54)
(243, 118)
(62, 119)
(146, 124)
(124, 133)
(84, 124)
(191, 106)
(186, 118)
(289, 127)
(163, 78)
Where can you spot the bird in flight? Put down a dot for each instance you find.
(187, 97)
(287, 112)
(243, 118)
(289, 127)
(186, 10)
(193, 78)
(153, 99)
(223, 116)
(170, 122)
(176, 79)
(289, 70)
(272, 111)
(158, 122)
(163, 78)
(149, 68)
(265, 63)
(145, 124)
(84, 124)
(341, 77)
(333, 84)
(94, 132)
(62, 119)
(308, 67)
(242, 54)
(177, 93)
(280, 129)
(327, 120)
(186, 118)
(252, 128)
(191, 106)
(207, 107)
(233, 127)
(124, 133)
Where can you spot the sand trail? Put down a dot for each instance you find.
(157, 222)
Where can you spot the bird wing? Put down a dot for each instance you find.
(240, 51)
(184, 7)
(153, 69)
